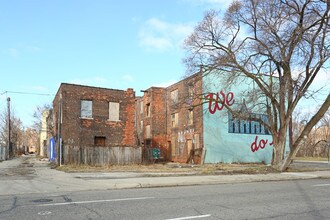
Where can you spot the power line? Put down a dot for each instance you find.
(27, 93)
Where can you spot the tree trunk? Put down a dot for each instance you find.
(288, 160)
(278, 154)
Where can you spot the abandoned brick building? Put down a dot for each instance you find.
(186, 121)
(95, 125)
(100, 126)
(171, 119)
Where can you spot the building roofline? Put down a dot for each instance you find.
(186, 78)
(92, 87)
(97, 87)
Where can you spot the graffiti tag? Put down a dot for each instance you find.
(182, 135)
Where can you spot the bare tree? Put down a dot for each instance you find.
(37, 116)
(16, 130)
(281, 45)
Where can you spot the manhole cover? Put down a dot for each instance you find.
(42, 200)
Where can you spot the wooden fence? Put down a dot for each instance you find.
(101, 156)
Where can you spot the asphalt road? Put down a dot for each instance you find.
(303, 199)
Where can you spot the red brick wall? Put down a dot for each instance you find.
(77, 131)
(185, 102)
(162, 132)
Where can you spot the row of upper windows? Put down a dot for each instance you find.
(175, 118)
(174, 121)
(86, 110)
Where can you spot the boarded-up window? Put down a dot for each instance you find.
(113, 111)
(196, 140)
(173, 146)
(99, 141)
(190, 117)
(174, 97)
(141, 107)
(86, 110)
(148, 134)
(175, 119)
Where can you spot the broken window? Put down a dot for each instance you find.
(113, 111)
(174, 97)
(148, 110)
(86, 109)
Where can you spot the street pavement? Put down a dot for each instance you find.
(28, 174)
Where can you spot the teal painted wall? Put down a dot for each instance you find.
(219, 143)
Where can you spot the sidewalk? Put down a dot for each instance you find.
(47, 180)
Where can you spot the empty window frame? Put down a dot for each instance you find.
(174, 119)
(86, 109)
(99, 141)
(190, 95)
(113, 111)
(148, 110)
(174, 97)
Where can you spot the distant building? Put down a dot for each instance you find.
(44, 134)
(32, 140)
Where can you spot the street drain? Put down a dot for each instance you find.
(42, 200)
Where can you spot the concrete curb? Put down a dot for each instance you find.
(46, 180)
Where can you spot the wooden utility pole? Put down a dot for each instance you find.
(9, 127)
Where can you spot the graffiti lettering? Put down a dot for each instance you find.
(255, 146)
(217, 102)
(183, 135)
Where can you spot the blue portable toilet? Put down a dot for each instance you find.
(52, 150)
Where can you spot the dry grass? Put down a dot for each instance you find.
(311, 158)
(174, 168)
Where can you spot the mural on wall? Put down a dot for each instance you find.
(217, 102)
(227, 137)
(255, 146)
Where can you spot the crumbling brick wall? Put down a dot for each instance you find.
(83, 132)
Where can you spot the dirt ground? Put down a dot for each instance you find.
(189, 169)
(193, 169)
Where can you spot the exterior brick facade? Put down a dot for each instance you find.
(169, 119)
(185, 135)
(96, 130)
(174, 140)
